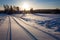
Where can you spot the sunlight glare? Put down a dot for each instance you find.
(26, 6)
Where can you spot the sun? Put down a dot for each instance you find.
(26, 6)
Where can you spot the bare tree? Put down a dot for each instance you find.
(31, 10)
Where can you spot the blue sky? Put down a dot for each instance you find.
(33, 3)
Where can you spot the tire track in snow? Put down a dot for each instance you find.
(9, 33)
(42, 30)
(30, 34)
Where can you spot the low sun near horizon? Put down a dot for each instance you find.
(25, 6)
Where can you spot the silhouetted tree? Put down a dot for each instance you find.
(10, 10)
(17, 8)
(24, 11)
(6, 8)
(57, 10)
(31, 10)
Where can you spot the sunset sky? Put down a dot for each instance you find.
(36, 4)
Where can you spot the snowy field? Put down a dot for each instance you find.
(38, 26)
(2, 18)
(50, 21)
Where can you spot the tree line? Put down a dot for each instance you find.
(10, 9)
(16, 10)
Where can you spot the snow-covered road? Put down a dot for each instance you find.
(25, 27)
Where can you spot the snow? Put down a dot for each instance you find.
(38, 34)
(2, 18)
(17, 32)
(47, 22)
(34, 26)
